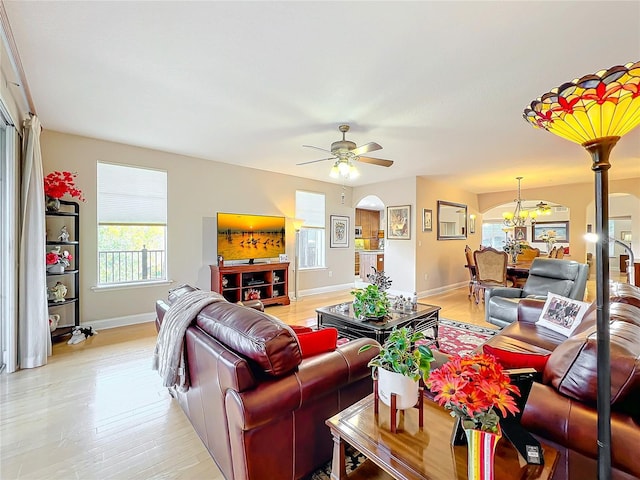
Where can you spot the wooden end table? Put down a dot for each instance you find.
(417, 453)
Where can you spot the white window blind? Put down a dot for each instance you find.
(310, 208)
(131, 195)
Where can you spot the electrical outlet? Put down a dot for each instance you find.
(330, 274)
(426, 276)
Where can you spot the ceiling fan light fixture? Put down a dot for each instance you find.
(335, 172)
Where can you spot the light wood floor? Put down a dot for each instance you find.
(98, 411)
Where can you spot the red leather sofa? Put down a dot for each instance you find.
(562, 408)
(258, 406)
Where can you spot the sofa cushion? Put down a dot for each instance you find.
(572, 370)
(257, 336)
(509, 358)
(318, 341)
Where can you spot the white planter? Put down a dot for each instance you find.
(405, 388)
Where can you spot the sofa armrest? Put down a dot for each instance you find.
(315, 377)
(506, 292)
(529, 309)
(255, 304)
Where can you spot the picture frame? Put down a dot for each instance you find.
(399, 222)
(427, 220)
(283, 257)
(520, 233)
(340, 231)
(561, 230)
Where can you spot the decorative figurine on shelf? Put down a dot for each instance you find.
(57, 292)
(64, 234)
(252, 294)
(53, 322)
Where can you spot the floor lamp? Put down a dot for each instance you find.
(297, 225)
(595, 111)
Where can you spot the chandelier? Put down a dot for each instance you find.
(520, 215)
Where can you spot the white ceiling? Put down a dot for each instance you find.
(440, 85)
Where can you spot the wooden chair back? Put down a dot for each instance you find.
(491, 266)
(560, 252)
(528, 254)
(552, 253)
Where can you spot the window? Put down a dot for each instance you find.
(493, 235)
(310, 208)
(132, 224)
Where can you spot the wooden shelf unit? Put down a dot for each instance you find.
(69, 216)
(235, 281)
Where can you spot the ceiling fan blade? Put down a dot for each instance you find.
(315, 161)
(366, 148)
(318, 148)
(375, 161)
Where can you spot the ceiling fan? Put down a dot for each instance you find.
(343, 152)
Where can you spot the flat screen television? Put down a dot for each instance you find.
(250, 237)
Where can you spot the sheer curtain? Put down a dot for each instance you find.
(34, 339)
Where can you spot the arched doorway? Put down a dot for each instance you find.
(369, 237)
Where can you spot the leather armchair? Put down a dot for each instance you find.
(563, 277)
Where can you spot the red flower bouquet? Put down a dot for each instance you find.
(57, 184)
(471, 387)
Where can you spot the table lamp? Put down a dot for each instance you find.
(595, 111)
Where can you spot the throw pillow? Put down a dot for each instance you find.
(510, 359)
(562, 314)
(317, 341)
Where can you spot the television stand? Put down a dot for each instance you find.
(237, 283)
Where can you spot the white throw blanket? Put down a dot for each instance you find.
(169, 356)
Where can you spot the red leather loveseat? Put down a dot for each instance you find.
(258, 405)
(562, 409)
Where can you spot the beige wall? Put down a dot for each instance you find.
(197, 189)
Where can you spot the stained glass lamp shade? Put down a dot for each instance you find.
(595, 111)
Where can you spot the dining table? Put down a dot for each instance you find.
(518, 272)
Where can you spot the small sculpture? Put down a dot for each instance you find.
(64, 234)
(57, 292)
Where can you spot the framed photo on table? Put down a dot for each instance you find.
(339, 232)
(399, 222)
(520, 233)
(427, 220)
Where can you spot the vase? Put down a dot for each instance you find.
(481, 447)
(405, 388)
(52, 204)
(56, 268)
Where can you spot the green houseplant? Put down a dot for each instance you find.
(399, 366)
(370, 302)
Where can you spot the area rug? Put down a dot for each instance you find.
(461, 338)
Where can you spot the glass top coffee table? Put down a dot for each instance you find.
(425, 319)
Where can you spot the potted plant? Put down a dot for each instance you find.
(370, 303)
(472, 388)
(399, 366)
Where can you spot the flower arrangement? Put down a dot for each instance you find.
(57, 184)
(55, 257)
(472, 388)
(379, 278)
(548, 237)
(513, 247)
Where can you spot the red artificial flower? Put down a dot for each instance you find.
(472, 387)
(57, 184)
(52, 258)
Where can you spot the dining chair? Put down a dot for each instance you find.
(471, 266)
(528, 254)
(491, 270)
(552, 253)
(560, 252)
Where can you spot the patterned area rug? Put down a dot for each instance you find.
(454, 337)
(461, 338)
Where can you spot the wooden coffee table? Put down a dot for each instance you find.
(415, 453)
(424, 318)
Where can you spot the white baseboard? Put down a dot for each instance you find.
(443, 289)
(107, 323)
(327, 289)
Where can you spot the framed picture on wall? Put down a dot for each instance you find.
(427, 220)
(558, 230)
(339, 232)
(399, 222)
(520, 233)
